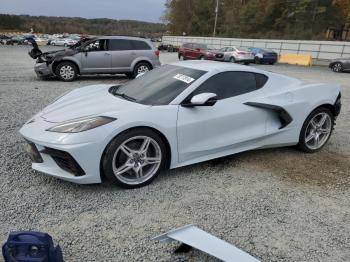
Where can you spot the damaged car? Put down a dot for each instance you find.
(101, 55)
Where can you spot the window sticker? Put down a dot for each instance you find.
(184, 78)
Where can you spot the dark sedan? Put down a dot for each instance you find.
(340, 65)
(263, 56)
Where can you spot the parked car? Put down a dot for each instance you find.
(4, 39)
(263, 56)
(63, 42)
(18, 40)
(102, 55)
(177, 115)
(237, 55)
(199, 51)
(340, 65)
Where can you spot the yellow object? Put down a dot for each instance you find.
(294, 59)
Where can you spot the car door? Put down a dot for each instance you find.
(190, 51)
(96, 58)
(226, 126)
(123, 54)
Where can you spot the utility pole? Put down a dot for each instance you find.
(216, 16)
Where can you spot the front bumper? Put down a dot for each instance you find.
(69, 157)
(43, 70)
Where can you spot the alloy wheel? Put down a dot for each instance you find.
(137, 160)
(318, 130)
(142, 69)
(67, 72)
(337, 67)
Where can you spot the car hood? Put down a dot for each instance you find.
(87, 101)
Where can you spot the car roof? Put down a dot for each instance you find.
(123, 37)
(213, 66)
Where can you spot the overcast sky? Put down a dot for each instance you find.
(143, 10)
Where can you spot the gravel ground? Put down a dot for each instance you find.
(277, 204)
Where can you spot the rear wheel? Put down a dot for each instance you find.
(135, 158)
(337, 67)
(201, 58)
(232, 59)
(66, 71)
(141, 68)
(316, 130)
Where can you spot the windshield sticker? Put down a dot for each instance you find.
(184, 78)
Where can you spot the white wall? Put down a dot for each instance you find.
(318, 49)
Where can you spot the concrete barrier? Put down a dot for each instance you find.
(295, 59)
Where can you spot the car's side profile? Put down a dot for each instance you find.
(197, 51)
(263, 56)
(63, 42)
(237, 55)
(340, 65)
(177, 115)
(102, 55)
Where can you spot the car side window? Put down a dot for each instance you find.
(120, 45)
(97, 45)
(140, 45)
(230, 84)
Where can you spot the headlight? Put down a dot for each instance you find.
(82, 124)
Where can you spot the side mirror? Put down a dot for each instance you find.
(204, 99)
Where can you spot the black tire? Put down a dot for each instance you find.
(138, 67)
(181, 57)
(246, 63)
(107, 159)
(272, 63)
(256, 60)
(53, 44)
(337, 67)
(232, 59)
(65, 45)
(302, 145)
(69, 74)
(201, 58)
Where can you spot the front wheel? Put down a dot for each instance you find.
(181, 58)
(256, 60)
(135, 158)
(337, 67)
(316, 130)
(66, 71)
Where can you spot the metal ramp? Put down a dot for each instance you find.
(193, 236)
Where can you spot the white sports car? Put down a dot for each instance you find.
(176, 115)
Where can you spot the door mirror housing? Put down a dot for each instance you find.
(204, 99)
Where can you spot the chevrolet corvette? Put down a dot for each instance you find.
(176, 115)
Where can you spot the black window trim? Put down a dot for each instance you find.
(189, 97)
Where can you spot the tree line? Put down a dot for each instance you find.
(280, 19)
(52, 25)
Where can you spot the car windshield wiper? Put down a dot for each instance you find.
(114, 90)
(125, 96)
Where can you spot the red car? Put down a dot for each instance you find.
(199, 51)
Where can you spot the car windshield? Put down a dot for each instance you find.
(159, 86)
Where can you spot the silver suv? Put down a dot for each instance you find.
(101, 55)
